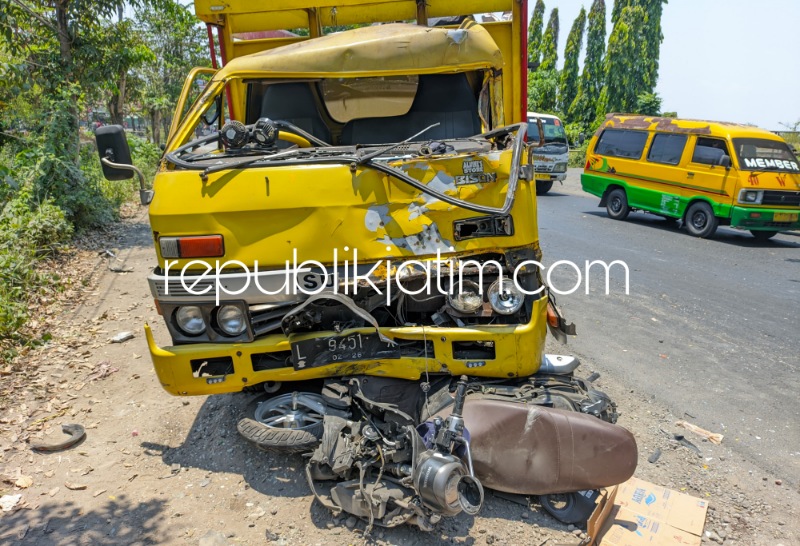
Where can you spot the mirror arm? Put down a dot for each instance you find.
(145, 195)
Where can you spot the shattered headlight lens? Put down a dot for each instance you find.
(190, 319)
(504, 297)
(467, 298)
(231, 320)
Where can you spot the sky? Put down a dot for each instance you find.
(725, 60)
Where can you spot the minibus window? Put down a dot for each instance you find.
(709, 151)
(621, 143)
(758, 154)
(667, 149)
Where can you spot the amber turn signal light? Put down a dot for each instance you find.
(200, 246)
(552, 316)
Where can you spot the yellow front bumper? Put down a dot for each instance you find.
(518, 353)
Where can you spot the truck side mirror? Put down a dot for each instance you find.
(115, 157)
(725, 161)
(112, 145)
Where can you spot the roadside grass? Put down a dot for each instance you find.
(38, 226)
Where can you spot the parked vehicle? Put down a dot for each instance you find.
(550, 160)
(705, 173)
(358, 232)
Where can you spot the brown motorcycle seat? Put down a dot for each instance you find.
(536, 450)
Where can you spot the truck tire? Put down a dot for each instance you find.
(543, 186)
(700, 220)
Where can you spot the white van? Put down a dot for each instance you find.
(550, 160)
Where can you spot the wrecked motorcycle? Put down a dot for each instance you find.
(391, 451)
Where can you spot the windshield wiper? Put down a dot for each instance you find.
(366, 158)
(247, 162)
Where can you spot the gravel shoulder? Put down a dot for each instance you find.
(157, 469)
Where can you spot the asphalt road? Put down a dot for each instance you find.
(710, 327)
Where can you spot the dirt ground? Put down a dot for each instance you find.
(157, 469)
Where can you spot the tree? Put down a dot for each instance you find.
(568, 84)
(170, 30)
(648, 104)
(535, 34)
(66, 49)
(619, 5)
(584, 108)
(542, 86)
(626, 75)
(549, 45)
(132, 53)
(653, 10)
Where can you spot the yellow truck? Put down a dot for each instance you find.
(357, 204)
(345, 222)
(706, 173)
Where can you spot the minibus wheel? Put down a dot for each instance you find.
(763, 235)
(617, 204)
(700, 220)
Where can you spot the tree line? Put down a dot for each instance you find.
(619, 75)
(59, 60)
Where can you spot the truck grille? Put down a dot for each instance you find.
(781, 198)
(544, 167)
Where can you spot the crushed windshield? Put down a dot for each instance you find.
(554, 133)
(757, 154)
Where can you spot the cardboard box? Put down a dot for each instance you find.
(637, 512)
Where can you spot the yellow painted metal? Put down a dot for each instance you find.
(342, 12)
(318, 209)
(187, 88)
(517, 354)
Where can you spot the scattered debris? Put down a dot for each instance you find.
(122, 337)
(655, 456)
(686, 443)
(24, 482)
(75, 486)
(713, 437)
(9, 502)
(76, 435)
(104, 369)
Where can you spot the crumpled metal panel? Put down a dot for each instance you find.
(266, 213)
(391, 48)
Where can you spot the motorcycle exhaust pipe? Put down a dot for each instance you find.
(444, 485)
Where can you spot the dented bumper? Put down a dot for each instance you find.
(483, 351)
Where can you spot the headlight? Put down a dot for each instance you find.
(751, 196)
(507, 301)
(190, 320)
(231, 321)
(468, 298)
(560, 167)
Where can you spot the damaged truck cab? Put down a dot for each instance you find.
(361, 206)
(346, 223)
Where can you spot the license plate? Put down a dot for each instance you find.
(784, 217)
(312, 353)
(542, 176)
